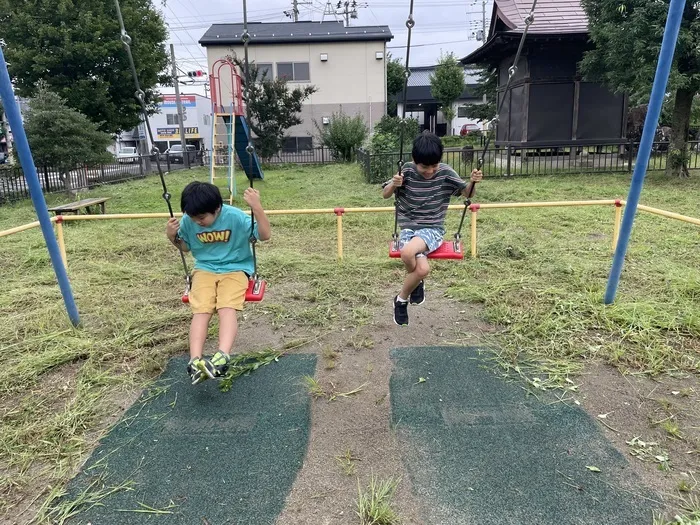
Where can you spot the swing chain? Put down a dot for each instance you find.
(529, 20)
(250, 148)
(141, 97)
(410, 23)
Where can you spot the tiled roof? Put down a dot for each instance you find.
(293, 33)
(551, 16)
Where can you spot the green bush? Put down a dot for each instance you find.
(392, 126)
(383, 149)
(343, 135)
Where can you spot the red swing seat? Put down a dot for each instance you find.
(447, 250)
(254, 293)
(256, 290)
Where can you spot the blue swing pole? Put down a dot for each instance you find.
(27, 162)
(658, 90)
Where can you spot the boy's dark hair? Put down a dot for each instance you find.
(427, 149)
(200, 197)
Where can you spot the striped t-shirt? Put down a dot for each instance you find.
(422, 203)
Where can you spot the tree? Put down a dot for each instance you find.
(61, 137)
(486, 88)
(395, 76)
(75, 48)
(627, 36)
(447, 84)
(273, 108)
(343, 135)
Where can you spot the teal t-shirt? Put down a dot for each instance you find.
(224, 246)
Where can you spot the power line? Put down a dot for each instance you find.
(178, 37)
(463, 41)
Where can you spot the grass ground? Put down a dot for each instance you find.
(539, 279)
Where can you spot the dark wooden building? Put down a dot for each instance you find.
(548, 103)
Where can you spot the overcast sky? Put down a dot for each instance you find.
(441, 25)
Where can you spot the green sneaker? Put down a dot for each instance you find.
(194, 371)
(215, 367)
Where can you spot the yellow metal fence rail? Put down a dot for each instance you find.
(474, 209)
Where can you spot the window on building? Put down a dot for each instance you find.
(297, 144)
(205, 119)
(294, 71)
(172, 119)
(301, 72)
(305, 143)
(285, 70)
(264, 71)
(462, 112)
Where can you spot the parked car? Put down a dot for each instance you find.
(127, 155)
(174, 153)
(468, 128)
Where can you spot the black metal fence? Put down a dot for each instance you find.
(514, 161)
(318, 155)
(13, 184)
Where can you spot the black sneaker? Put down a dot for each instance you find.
(400, 311)
(215, 367)
(418, 294)
(193, 369)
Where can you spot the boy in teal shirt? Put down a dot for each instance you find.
(218, 237)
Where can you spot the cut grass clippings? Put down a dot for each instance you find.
(539, 279)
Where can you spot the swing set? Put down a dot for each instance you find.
(56, 248)
(448, 249)
(256, 285)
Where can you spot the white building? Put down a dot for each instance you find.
(165, 127)
(347, 65)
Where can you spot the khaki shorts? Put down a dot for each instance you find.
(212, 291)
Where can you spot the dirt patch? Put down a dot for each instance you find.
(359, 426)
(653, 422)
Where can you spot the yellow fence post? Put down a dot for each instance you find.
(339, 215)
(61, 240)
(474, 208)
(618, 220)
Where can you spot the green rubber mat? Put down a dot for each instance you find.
(481, 451)
(191, 455)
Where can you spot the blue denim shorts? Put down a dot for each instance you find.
(431, 236)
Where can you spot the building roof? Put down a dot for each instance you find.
(551, 16)
(293, 33)
(420, 76)
(419, 90)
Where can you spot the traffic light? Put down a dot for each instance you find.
(193, 74)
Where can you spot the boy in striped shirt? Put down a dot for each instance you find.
(426, 186)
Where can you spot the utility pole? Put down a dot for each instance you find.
(178, 102)
(329, 11)
(294, 13)
(348, 9)
(478, 27)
